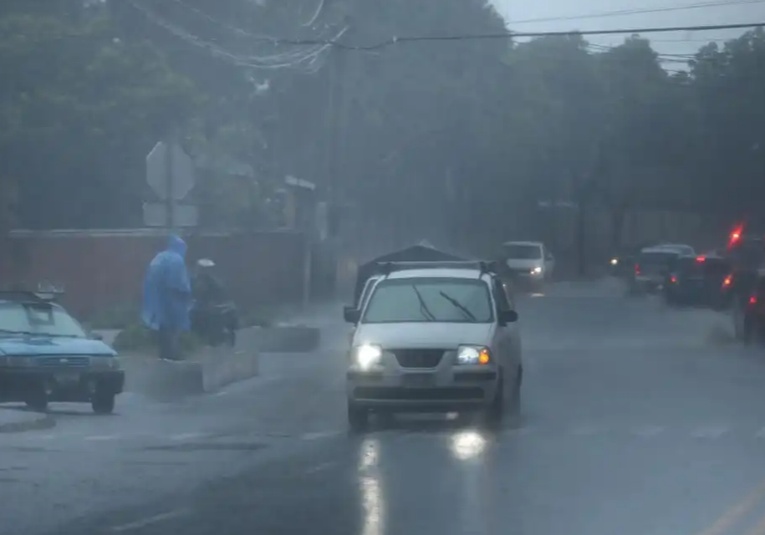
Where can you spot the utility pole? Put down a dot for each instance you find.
(170, 181)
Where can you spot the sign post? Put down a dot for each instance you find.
(170, 174)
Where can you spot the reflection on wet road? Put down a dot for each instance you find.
(637, 420)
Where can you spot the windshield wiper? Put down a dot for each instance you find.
(469, 315)
(11, 331)
(423, 307)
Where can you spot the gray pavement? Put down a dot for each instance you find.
(638, 420)
(15, 419)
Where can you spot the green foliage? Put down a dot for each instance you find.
(137, 338)
(422, 137)
(79, 109)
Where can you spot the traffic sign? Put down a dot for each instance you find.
(156, 215)
(169, 171)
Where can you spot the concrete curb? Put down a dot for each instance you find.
(283, 339)
(214, 369)
(28, 422)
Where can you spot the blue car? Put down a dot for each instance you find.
(46, 355)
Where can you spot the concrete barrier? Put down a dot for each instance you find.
(207, 372)
(282, 339)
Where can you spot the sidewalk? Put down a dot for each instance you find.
(13, 420)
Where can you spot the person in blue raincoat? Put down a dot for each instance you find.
(167, 297)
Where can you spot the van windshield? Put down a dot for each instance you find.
(523, 251)
(429, 299)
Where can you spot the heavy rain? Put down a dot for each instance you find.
(366, 267)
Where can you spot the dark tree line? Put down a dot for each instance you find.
(434, 136)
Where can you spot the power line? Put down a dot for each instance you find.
(511, 35)
(639, 11)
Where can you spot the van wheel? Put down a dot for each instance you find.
(38, 400)
(514, 406)
(103, 403)
(358, 418)
(740, 324)
(496, 410)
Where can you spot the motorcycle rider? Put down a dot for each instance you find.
(213, 313)
(206, 287)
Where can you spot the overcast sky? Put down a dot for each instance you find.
(603, 14)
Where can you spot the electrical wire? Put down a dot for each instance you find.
(512, 35)
(305, 59)
(638, 11)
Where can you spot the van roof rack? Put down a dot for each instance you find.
(386, 268)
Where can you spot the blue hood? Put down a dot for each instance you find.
(176, 244)
(42, 345)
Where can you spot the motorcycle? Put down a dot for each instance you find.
(215, 323)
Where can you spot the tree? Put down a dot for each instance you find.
(80, 109)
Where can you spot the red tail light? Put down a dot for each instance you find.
(728, 281)
(735, 236)
(753, 300)
(673, 279)
(637, 269)
(700, 259)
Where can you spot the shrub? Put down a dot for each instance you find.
(136, 337)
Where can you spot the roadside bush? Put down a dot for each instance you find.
(115, 317)
(137, 337)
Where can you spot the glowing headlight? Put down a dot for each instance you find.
(473, 355)
(367, 356)
(536, 271)
(614, 261)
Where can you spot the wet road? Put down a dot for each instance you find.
(638, 420)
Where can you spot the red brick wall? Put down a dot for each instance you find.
(99, 270)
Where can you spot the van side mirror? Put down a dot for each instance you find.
(507, 316)
(97, 336)
(351, 314)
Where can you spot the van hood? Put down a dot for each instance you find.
(423, 335)
(517, 263)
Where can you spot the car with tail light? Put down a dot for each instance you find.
(434, 337)
(46, 356)
(743, 287)
(697, 280)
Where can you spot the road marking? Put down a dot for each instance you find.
(648, 431)
(709, 432)
(735, 513)
(318, 435)
(320, 467)
(138, 524)
(186, 436)
(758, 529)
(518, 432)
(584, 430)
(102, 437)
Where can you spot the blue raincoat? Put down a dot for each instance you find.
(167, 289)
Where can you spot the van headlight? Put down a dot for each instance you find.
(366, 356)
(477, 355)
(537, 270)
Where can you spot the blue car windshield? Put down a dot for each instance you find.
(38, 319)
